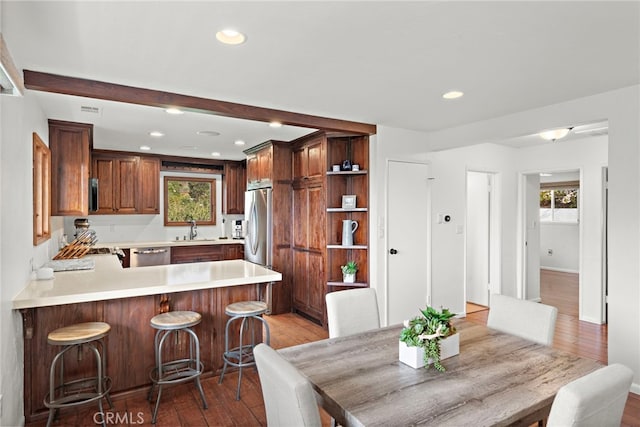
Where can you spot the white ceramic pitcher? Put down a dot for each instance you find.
(348, 228)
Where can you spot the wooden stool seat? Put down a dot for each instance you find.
(78, 333)
(176, 320)
(246, 308)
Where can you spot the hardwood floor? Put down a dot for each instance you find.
(180, 405)
(560, 290)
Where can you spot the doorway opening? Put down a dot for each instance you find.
(482, 240)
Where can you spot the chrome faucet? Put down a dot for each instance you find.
(193, 231)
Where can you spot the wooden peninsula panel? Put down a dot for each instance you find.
(130, 353)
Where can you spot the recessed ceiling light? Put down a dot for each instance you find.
(145, 147)
(552, 135)
(230, 36)
(208, 133)
(156, 133)
(174, 111)
(453, 94)
(239, 142)
(275, 124)
(216, 154)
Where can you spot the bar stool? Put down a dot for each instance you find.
(179, 370)
(83, 390)
(242, 356)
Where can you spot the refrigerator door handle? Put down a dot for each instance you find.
(253, 228)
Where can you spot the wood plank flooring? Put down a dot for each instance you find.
(181, 406)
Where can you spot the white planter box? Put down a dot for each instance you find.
(414, 356)
(349, 277)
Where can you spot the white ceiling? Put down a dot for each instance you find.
(379, 62)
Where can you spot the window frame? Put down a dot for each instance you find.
(199, 221)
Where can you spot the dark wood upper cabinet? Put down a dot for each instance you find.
(308, 159)
(127, 183)
(70, 145)
(234, 186)
(149, 185)
(260, 165)
(117, 183)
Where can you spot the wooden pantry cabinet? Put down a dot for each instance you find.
(127, 184)
(70, 145)
(308, 226)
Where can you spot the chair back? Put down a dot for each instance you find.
(595, 400)
(352, 311)
(526, 319)
(289, 399)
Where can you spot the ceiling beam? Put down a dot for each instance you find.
(54, 83)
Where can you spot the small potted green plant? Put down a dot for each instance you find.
(349, 272)
(428, 339)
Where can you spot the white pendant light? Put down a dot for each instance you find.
(552, 135)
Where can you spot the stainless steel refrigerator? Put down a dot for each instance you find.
(258, 240)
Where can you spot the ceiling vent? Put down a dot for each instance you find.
(90, 110)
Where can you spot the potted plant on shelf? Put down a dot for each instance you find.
(428, 339)
(349, 272)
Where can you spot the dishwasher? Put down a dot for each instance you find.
(144, 257)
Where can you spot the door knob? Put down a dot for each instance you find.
(393, 251)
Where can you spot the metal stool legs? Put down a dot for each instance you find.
(242, 356)
(81, 391)
(176, 371)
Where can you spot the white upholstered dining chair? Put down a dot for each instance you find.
(289, 399)
(526, 319)
(352, 311)
(595, 400)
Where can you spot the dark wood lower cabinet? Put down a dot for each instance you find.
(130, 353)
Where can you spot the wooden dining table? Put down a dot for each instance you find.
(497, 379)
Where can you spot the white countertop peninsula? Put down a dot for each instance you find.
(110, 281)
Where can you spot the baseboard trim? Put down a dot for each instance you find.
(635, 388)
(591, 320)
(560, 270)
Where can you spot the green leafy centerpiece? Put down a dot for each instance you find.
(428, 339)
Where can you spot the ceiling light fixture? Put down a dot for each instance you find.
(275, 124)
(552, 135)
(230, 36)
(145, 147)
(216, 154)
(174, 111)
(453, 94)
(239, 142)
(156, 134)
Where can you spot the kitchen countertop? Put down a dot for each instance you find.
(164, 243)
(110, 281)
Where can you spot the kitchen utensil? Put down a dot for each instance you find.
(348, 228)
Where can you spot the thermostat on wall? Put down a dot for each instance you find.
(442, 218)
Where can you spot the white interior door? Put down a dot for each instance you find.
(408, 258)
(478, 244)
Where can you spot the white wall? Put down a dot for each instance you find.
(19, 117)
(563, 240)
